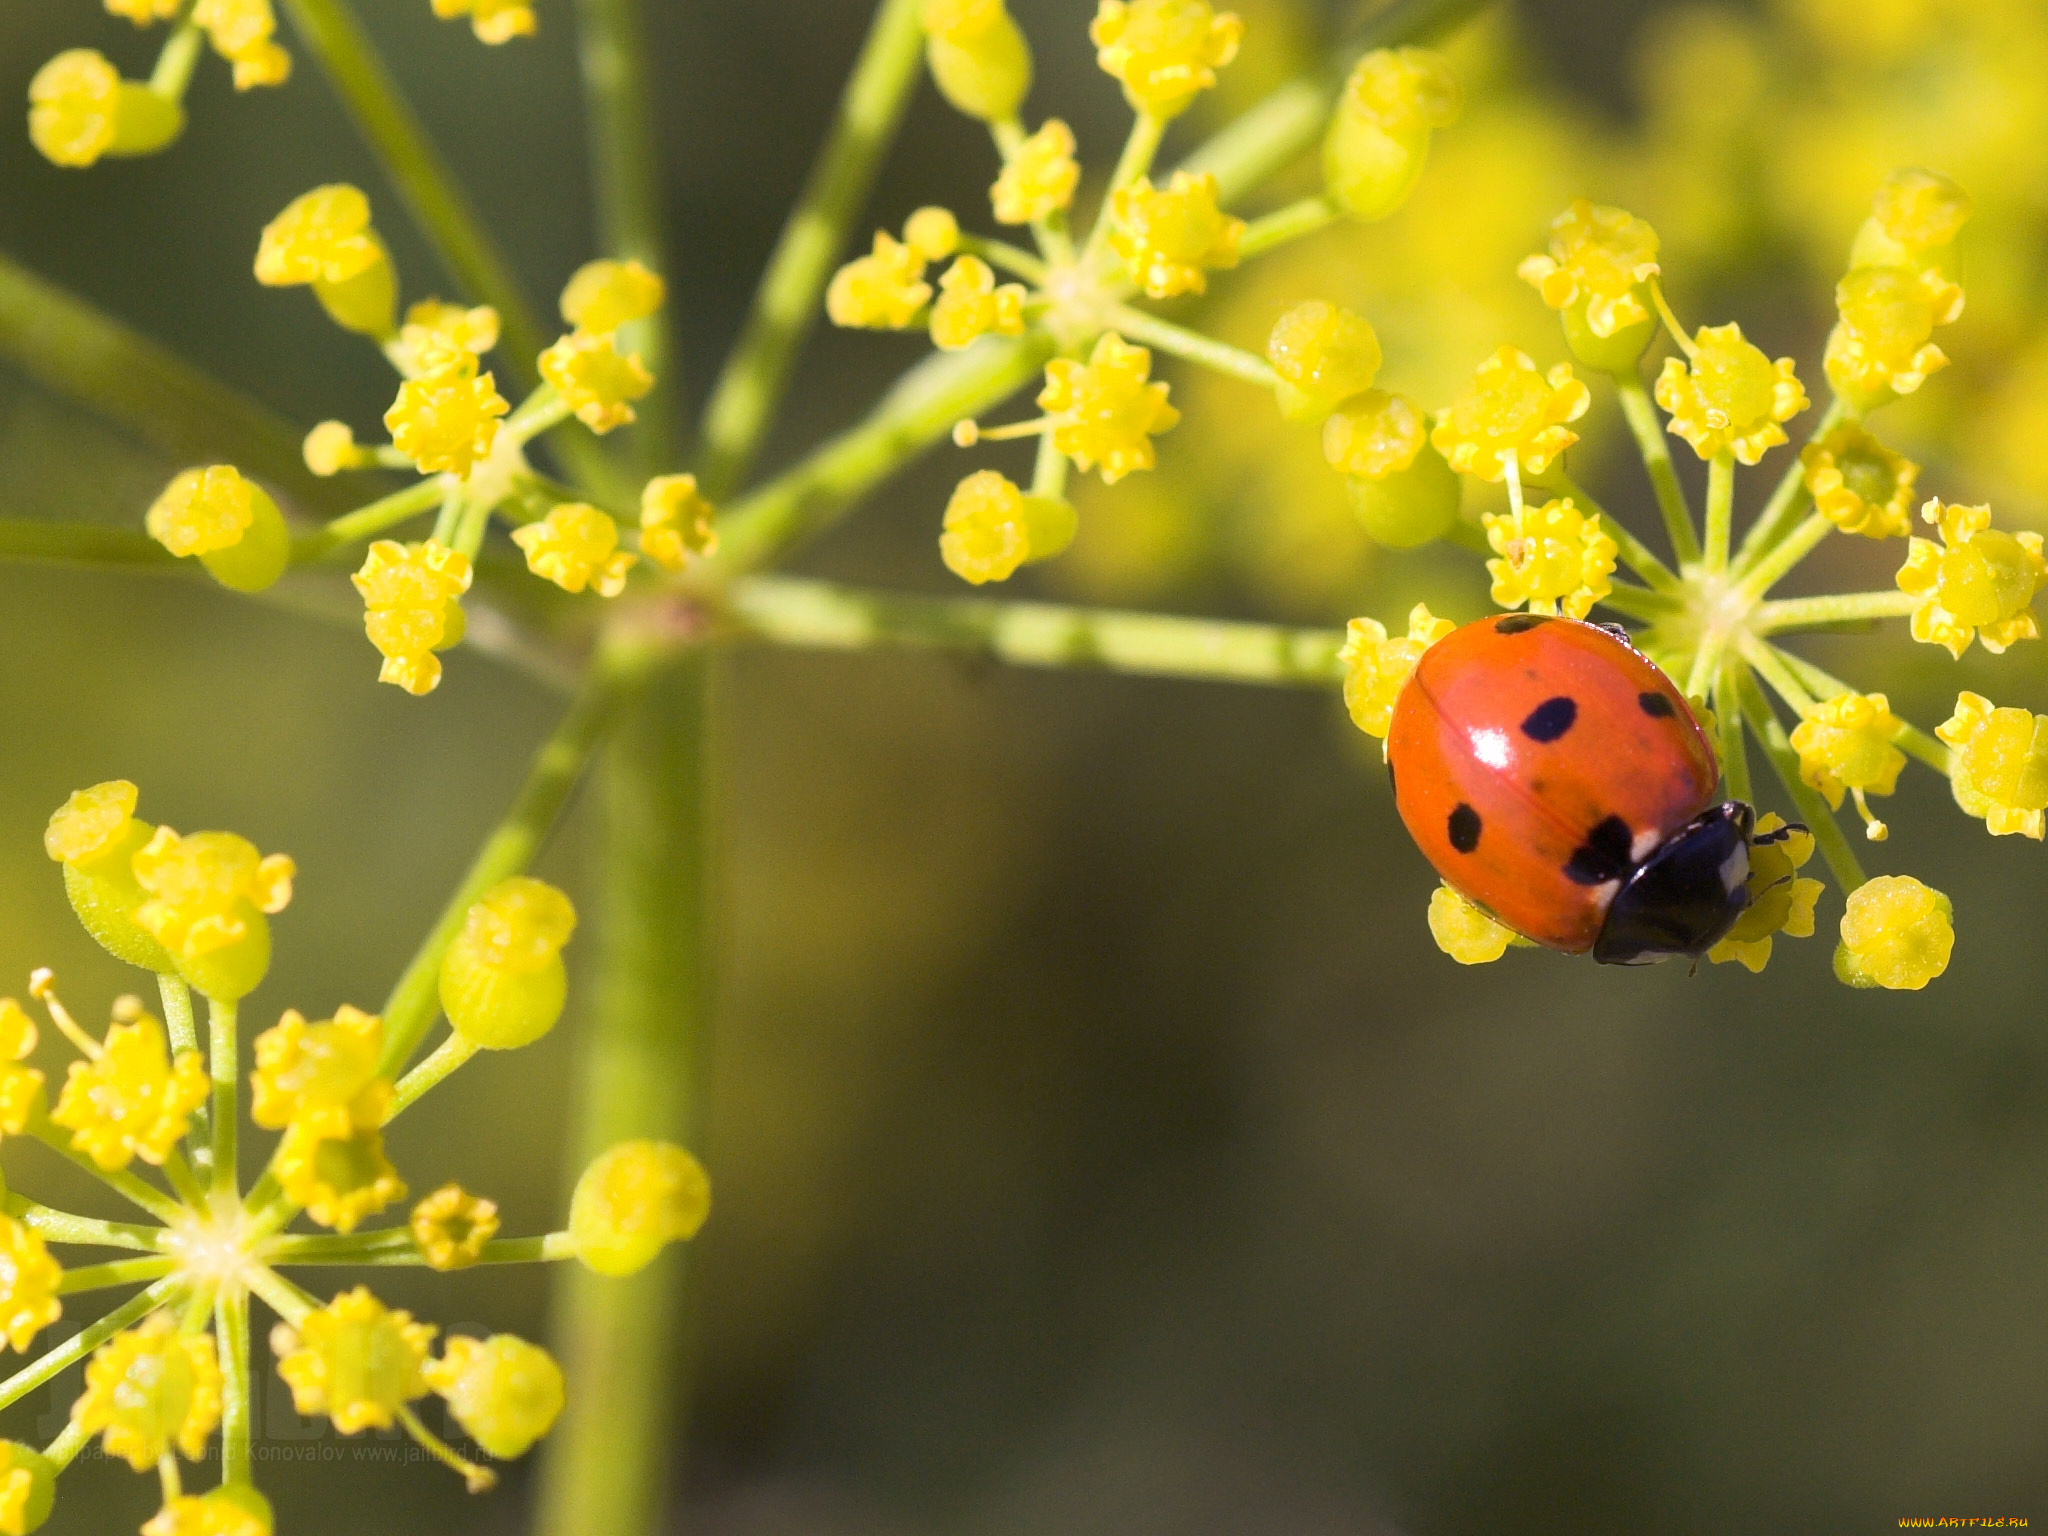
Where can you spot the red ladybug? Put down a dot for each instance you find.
(1554, 776)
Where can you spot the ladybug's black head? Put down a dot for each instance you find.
(1686, 895)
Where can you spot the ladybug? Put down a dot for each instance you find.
(1555, 777)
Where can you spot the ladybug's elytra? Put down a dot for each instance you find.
(1557, 778)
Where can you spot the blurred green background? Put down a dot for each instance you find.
(1100, 1144)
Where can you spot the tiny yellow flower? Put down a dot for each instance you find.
(149, 1390)
(1552, 557)
(493, 21)
(322, 236)
(356, 1361)
(1169, 238)
(21, 1087)
(324, 1072)
(503, 984)
(1165, 52)
(1377, 668)
(1599, 259)
(633, 1201)
(331, 447)
(1780, 899)
(1728, 397)
(1378, 139)
(438, 335)
(971, 306)
(233, 1510)
(1846, 744)
(80, 109)
(28, 1285)
(1509, 411)
(884, 290)
(142, 13)
(410, 608)
(1915, 213)
(229, 523)
(1325, 355)
(1977, 583)
(596, 379)
(1880, 347)
(91, 822)
(978, 56)
(446, 420)
(934, 233)
(244, 33)
(576, 546)
(1896, 933)
(28, 1488)
(675, 521)
(337, 1170)
(1039, 179)
(1105, 411)
(992, 527)
(451, 1226)
(132, 1100)
(1999, 765)
(1860, 485)
(503, 1391)
(1469, 934)
(604, 295)
(1375, 435)
(95, 836)
(209, 895)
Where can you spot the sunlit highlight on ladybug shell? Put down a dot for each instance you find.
(1537, 761)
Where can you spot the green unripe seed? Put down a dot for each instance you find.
(262, 553)
(500, 1009)
(1619, 353)
(366, 303)
(105, 893)
(986, 77)
(144, 122)
(1369, 171)
(1049, 526)
(42, 1491)
(633, 1201)
(503, 1391)
(234, 970)
(1412, 506)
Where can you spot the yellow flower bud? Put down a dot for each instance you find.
(1165, 52)
(1325, 355)
(933, 233)
(1510, 410)
(142, 13)
(209, 894)
(503, 1391)
(503, 984)
(1377, 668)
(356, 1361)
(323, 238)
(1880, 348)
(410, 608)
(325, 1072)
(882, 291)
(1168, 238)
(576, 546)
(1780, 899)
(1914, 213)
(1039, 179)
(598, 382)
(1468, 933)
(1896, 933)
(243, 32)
(1106, 411)
(28, 1488)
(971, 306)
(149, 1390)
(29, 1279)
(331, 447)
(1551, 557)
(80, 109)
(1378, 140)
(451, 1226)
(21, 1088)
(978, 57)
(992, 527)
(132, 1100)
(447, 420)
(438, 336)
(231, 524)
(1375, 435)
(1594, 276)
(493, 21)
(95, 836)
(675, 521)
(1999, 765)
(604, 295)
(234, 1509)
(1978, 583)
(1846, 744)
(1728, 397)
(1860, 485)
(635, 1200)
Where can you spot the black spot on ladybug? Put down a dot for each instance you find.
(1516, 623)
(1465, 828)
(1618, 632)
(1603, 856)
(1656, 706)
(1550, 719)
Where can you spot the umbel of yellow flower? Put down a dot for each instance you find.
(503, 1391)
(21, 1087)
(991, 528)
(576, 546)
(80, 109)
(324, 239)
(1727, 397)
(1468, 933)
(149, 1390)
(234, 1509)
(1169, 237)
(596, 380)
(1165, 52)
(1106, 411)
(410, 608)
(1860, 485)
(971, 306)
(1324, 355)
(1376, 667)
(1378, 140)
(446, 420)
(604, 295)
(1914, 213)
(28, 1285)
(451, 1226)
(1998, 766)
(882, 291)
(1880, 347)
(131, 1100)
(244, 32)
(324, 1073)
(1599, 260)
(28, 1487)
(337, 1170)
(354, 1360)
(209, 897)
(1039, 178)
(633, 1201)
(493, 21)
(1896, 933)
(978, 57)
(503, 984)
(675, 521)
(95, 836)
(1509, 412)
(1781, 900)
(1553, 557)
(231, 524)
(438, 335)
(1846, 744)
(1977, 583)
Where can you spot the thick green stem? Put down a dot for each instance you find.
(792, 611)
(225, 1061)
(231, 1327)
(1285, 225)
(610, 1461)
(367, 522)
(786, 303)
(1788, 500)
(27, 538)
(88, 1339)
(1820, 821)
(1194, 346)
(1720, 510)
(1653, 445)
(1842, 608)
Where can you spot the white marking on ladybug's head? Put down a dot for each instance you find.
(1735, 870)
(1647, 842)
(1492, 748)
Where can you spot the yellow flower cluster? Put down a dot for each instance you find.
(1596, 275)
(451, 1226)
(324, 240)
(1781, 900)
(318, 1083)
(150, 1390)
(29, 1281)
(1978, 583)
(1860, 485)
(576, 546)
(1552, 557)
(1164, 52)
(978, 57)
(1377, 667)
(410, 608)
(884, 290)
(1896, 933)
(675, 522)
(1106, 411)
(1727, 397)
(244, 32)
(1846, 744)
(1998, 765)
(355, 1361)
(131, 1100)
(1324, 355)
(1894, 296)
(21, 1086)
(971, 306)
(1038, 177)
(1511, 414)
(1169, 237)
(991, 528)
(1378, 140)
(81, 109)
(230, 524)
(1468, 933)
